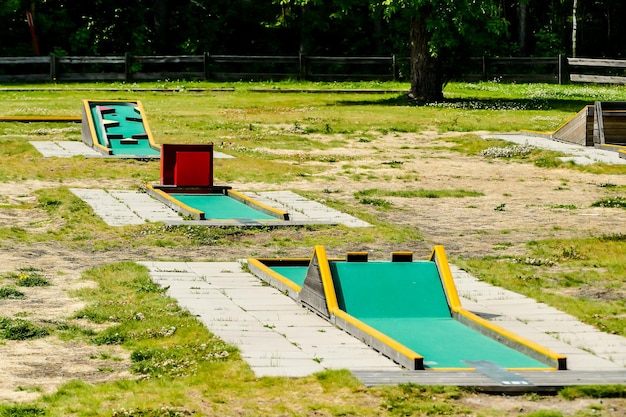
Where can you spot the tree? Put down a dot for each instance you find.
(442, 32)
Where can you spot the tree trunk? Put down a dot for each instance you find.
(161, 27)
(574, 28)
(426, 76)
(523, 23)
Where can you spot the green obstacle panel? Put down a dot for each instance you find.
(295, 274)
(142, 147)
(122, 129)
(406, 301)
(221, 207)
(388, 289)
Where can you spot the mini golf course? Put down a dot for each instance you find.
(407, 310)
(118, 128)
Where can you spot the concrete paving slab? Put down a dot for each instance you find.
(68, 149)
(64, 149)
(301, 208)
(110, 209)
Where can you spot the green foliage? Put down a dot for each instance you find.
(28, 277)
(410, 399)
(153, 412)
(421, 193)
(617, 201)
(20, 329)
(21, 410)
(9, 292)
(332, 380)
(545, 413)
(377, 202)
(593, 391)
(179, 360)
(32, 279)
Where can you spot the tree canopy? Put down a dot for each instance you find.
(437, 34)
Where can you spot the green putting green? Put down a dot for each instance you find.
(406, 301)
(220, 207)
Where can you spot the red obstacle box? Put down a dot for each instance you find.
(184, 165)
(187, 187)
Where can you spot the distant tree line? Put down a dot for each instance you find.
(287, 27)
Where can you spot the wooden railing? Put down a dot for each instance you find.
(196, 67)
(130, 68)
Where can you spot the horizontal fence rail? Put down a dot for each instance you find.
(129, 68)
(603, 71)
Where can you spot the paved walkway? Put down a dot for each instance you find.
(581, 155)
(65, 149)
(275, 335)
(69, 149)
(127, 207)
(278, 337)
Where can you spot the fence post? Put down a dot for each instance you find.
(53, 68)
(484, 68)
(563, 70)
(394, 68)
(301, 68)
(127, 66)
(207, 57)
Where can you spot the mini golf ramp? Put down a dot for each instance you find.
(409, 311)
(118, 128)
(187, 187)
(602, 124)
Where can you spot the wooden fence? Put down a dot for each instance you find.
(128, 68)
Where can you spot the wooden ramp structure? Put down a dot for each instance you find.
(578, 129)
(609, 126)
(602, 125)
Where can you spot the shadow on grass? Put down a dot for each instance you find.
(565, 105)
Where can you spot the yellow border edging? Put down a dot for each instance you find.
(282, 215)
(441, 260)
(175, 202)
(144, 120)
(327, 279)
(273, 274)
